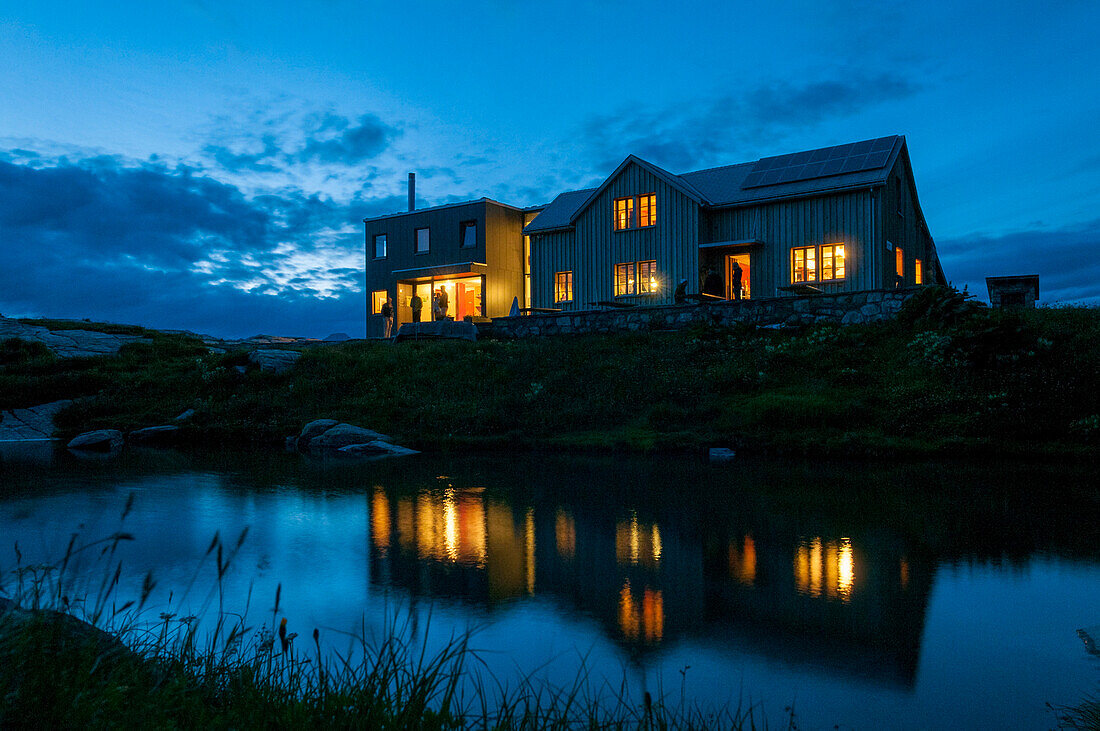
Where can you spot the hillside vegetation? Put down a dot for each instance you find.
(947, 376)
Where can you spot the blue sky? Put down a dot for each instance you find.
(207, 165)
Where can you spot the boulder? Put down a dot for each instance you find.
(721, 454)
(314, 429)
(185, 415)
(154, 435)
(100, 440)
(274, 360)
(377, 448)
(337, 338)
(343, 435)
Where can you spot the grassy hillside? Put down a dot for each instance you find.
(947, 376)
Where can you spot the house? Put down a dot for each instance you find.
(840, 218)
(475, 251)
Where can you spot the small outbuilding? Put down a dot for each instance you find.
(1020, 290)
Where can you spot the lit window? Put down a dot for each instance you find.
(563, 287)
(380, 246)
(918, 272)
(647, 277)
(468, 237)
(377, 299)
(423, 240)
(624, 213)
(647, 209)
(624, 279)
(804, 264)
(526, 271)
(832, 261)
(899, 258)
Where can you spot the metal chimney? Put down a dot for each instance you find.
(412, 191)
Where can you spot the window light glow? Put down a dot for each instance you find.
(832, 261)
(804, 264)
(563, 287)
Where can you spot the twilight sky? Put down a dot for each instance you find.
(207, 165)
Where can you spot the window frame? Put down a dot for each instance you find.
(416, 240)
(462, 227)
(629, 287)
(647, 283)
(375, 305)
(821, 262)
(804, 267)
(899, 262)
(633, 204)
(651, 200)
(629, 222)
(385, 246)
(563, 281)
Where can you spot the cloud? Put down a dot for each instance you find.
(351, 144)
(1064, 259)
(271, 141)
(686, 137)
(170, 247)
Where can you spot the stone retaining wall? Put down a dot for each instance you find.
(844, 308)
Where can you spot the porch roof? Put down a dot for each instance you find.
(443, 270)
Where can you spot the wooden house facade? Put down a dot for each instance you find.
(843, 218)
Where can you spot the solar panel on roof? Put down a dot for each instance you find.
(854, 157)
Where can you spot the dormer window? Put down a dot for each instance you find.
(637, 211)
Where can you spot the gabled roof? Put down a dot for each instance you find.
(720, 187)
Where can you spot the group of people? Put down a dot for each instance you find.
(440, 303)
(715, 287)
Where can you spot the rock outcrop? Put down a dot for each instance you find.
(377, 448)
(333, 437)
(100, 440)
(153, 435)
(32, 424)
(343, 435)
(68, 343)
(313, 429)
(273, 360)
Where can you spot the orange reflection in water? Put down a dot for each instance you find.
(380, 525)
(565, 534)
(825, 568)
(638, 543)
(448, 527)
(643, 619)
(743, 561)
(529, 548)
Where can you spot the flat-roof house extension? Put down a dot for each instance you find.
(475, 251)
(840, 218)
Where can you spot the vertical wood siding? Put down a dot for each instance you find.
(847, 218)
(903, 225)
(592, 249)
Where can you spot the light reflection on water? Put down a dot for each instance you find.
(850, 596)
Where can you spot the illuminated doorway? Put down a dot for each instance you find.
(464, 296)
(744, 261)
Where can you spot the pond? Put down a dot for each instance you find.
(908, 595)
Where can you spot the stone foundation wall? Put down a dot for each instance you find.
(844, 308)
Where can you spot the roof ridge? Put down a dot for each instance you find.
(718, 167)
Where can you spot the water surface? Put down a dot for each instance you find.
(867, 595)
